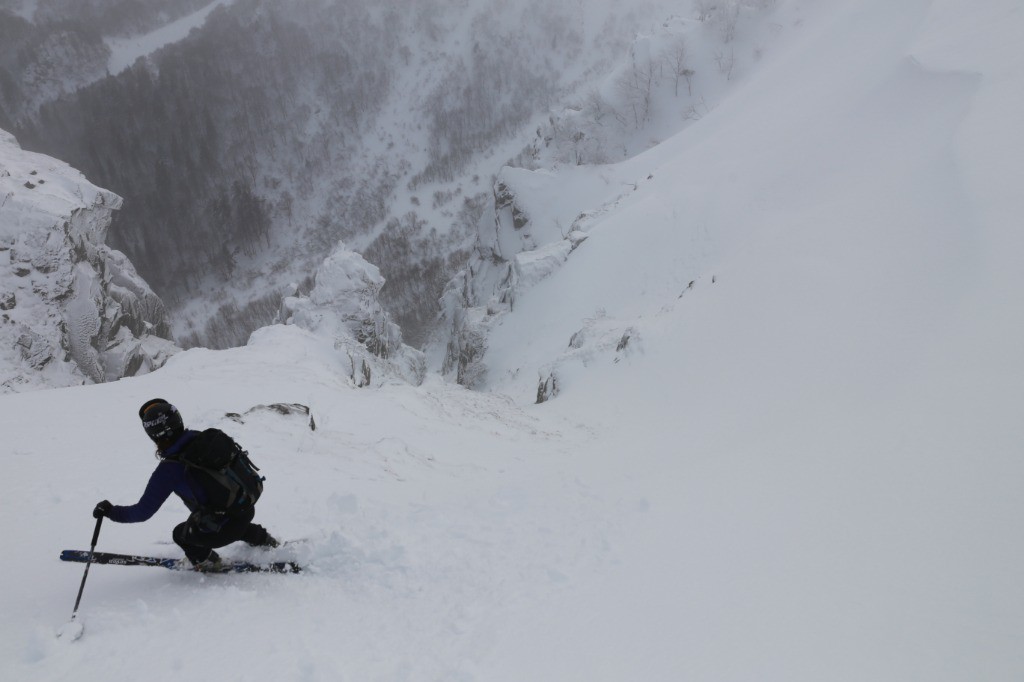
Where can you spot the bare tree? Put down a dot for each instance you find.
(705, 8)
(730, 15)
(726, 62)
(696, 111)
(677, 59)
(595, 109)
(636, 85)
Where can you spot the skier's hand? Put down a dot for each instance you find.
(102, 509)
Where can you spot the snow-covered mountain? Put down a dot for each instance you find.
(53, 48)
(278, 129)
(74, 310)
(544, 209)
(780, 356)
(125, 51)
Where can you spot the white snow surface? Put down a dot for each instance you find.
(25, 9)
(805, 465)
(124, 51)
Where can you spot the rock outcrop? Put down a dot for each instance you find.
(519, 244)
(72, 310)
(343, 306)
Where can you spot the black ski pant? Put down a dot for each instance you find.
(202, 533)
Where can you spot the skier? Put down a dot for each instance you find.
(207, 526)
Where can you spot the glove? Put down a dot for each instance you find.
(102, 509)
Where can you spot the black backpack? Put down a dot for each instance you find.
(227, 475)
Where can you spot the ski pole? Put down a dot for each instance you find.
(92, 550)
(75, 629)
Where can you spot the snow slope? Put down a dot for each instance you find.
(827, 420)
(124, 51)
(401, 491)
(804, 466)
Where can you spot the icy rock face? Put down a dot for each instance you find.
(72, 310)
(514, 251)
(343, 306)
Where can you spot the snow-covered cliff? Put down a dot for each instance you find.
(344, 308)
(72, 310)
(537, 220)
(668, 80)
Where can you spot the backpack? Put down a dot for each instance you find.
(227, 475)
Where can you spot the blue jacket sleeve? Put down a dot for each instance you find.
(159, 488)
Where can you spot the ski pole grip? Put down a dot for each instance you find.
(96, 533)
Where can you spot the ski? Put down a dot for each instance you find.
(283, 543)
(229, 566)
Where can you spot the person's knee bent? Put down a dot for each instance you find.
(180, 533)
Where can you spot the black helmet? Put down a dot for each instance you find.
(161, 420)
